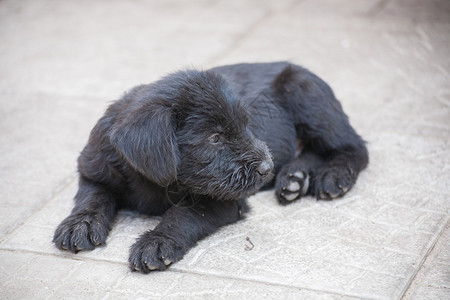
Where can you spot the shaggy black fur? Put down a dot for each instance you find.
(194, 145)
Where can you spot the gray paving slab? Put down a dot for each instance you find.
(387, 61)
(124, 43)
(41, 137)
(299, 246)
(433, 279)
(52, 277)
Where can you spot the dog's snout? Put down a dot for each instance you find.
(265, 168)
(266, 165)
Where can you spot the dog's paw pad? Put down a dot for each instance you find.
(295, 186)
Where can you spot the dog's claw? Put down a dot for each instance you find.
(151, 267)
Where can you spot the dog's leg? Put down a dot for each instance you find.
(340, 172)
(90, 221)
(342, 149)
(321, 123)
(179, 230)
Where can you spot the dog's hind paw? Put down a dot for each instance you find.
(292, 187)
(333, 182)
(154, 251)
(81, 232)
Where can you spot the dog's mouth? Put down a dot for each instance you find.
(242, 182)
(229, 175)
(250, 191)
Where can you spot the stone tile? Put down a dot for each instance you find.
(403, 217)
(411, 242)
(318, 274)
(94, 53)
(182, 285)
(436, 201)
(41, 138)
(359, 255)
(37, 233)
(266, 5)
(433, 222)
(438, 276)
(305, 258)
(75, 290)
(432, 280)
(363, 207)
(46, 276)
(418, 11)
(430, 292)
(32, 239)
(54, 269)
(27, 289)
(11, 263)
(398, 264)
(104, 276)
(386, 60)
(381, 286)
(443, 256)
(356, 230)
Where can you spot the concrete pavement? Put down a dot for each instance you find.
(388, 61)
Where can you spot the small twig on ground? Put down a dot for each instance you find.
(247, 247)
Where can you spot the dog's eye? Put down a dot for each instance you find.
(214, 139)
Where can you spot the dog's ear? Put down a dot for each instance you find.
(145, 135)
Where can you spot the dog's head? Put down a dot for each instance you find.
(189, 128)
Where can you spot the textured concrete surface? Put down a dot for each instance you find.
(388, 62)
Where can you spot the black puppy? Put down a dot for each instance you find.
(194, 145)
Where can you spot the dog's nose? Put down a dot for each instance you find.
(265, 167)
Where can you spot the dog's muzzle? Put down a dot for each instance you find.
(266, 165)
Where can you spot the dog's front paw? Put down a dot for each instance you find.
(154, 251)
(81, 232)
(333, 182)
(292, 186)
